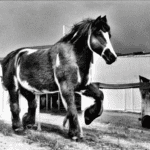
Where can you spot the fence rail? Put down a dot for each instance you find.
(123, 86)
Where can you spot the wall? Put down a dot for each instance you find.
(125, 70)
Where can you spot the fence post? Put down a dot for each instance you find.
(132, 97)
(47, 102)
(125, 105)
(38, 112)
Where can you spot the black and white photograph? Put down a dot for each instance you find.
(75, 75)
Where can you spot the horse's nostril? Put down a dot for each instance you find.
(109, 57)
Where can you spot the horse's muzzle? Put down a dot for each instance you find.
(109, 57)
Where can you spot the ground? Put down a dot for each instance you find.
(111, 131)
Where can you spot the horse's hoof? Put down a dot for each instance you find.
(19, 131)
(31, 126)
(28, 122)
(81, 136)
(75, 138)
(145, 122)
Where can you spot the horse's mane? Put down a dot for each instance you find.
(78, 31)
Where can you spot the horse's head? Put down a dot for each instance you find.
(145, 93)
(99, 39)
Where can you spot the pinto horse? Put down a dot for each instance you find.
(62, 67)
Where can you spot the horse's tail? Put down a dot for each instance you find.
(8, 68)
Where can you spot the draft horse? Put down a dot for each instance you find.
(62, 67)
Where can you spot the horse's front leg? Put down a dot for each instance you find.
(67, 95)
(94, 111)
(66, 82)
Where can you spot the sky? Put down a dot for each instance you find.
(32, 23)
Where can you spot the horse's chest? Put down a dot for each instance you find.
(86, 75)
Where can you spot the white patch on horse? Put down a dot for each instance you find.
(29, 51)
(108, 44)
(75, 34)
(88, 41)
(63, 100)
(89, 75)
(90, 70)
(48, 92)
(16, 83)
(57, 60)
(25, 84)
(79, 76)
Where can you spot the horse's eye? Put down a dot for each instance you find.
(99, 32)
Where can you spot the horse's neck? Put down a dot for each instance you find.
(84, 58)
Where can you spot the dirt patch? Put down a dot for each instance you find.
(112, 131)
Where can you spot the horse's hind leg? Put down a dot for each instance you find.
(28, 119)
(15, 110)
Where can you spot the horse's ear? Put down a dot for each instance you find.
(98, 18)
(97, 21)
(104, 18)
(143, 79)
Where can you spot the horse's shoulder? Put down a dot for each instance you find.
(62, 47)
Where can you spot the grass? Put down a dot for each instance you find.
(93, 138)
(5, 129)
(54, 138)
(43, 139)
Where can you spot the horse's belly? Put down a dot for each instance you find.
(36, 84)
(39, 88)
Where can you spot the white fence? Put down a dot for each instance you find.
(128, 100)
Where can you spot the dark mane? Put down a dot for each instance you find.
(77, 32)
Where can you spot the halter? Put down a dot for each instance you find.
(89, 45)
(88, 41)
